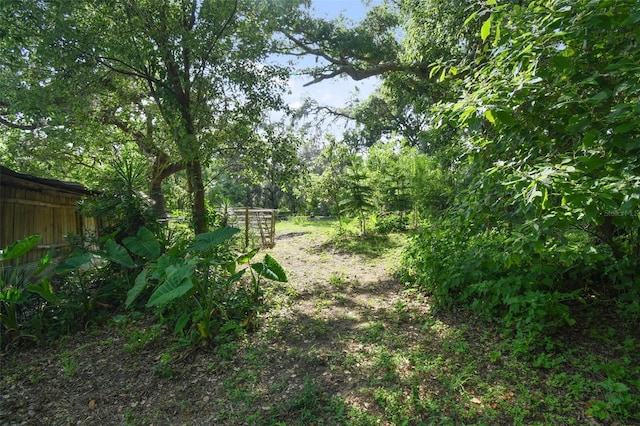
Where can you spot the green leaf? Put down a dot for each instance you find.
(235, 277)
(182, 322)
(139, 285)
(546, 203)
(14, 296)
(144, 244)
(626, 127)
(45, 261)
(485, 30)
(489, 116)
(163, 264)
(588, 138)
(633, 19)
(470, 18)
(563, 63)
(177, 284)
(20, 248)
(245, 258)
(275, 267)
(504, 117)
(118, 254)
(270, 269)
(73, 263)
(211, 239)
(44, 290)
(434, 69)
(599, 97)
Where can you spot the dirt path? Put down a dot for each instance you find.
(344, 308)
(317, 356)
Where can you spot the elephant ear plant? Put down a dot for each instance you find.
(205, 289)
(17, 288)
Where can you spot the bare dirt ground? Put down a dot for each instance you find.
(303, 354)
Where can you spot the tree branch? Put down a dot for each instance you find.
(13, 125)
(340, 66)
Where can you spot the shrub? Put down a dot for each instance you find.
(525, 281)
(392, 223)
(200, 286)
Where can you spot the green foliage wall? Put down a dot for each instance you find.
(550, 211)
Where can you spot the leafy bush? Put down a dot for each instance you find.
(17, 288)
(198, 286)
(392, 223)
(122, 204)
(523, 280)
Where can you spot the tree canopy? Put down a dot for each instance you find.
(195, 67)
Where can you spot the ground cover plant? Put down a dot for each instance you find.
(342, 342)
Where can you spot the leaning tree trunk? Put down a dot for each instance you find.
(161, 170)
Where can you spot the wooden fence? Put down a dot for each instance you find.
(256, 223)
(31, 205)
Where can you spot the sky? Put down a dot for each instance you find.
(335, 92)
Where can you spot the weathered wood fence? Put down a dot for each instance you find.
(31, 205)
(256, 223)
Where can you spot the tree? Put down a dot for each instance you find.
(419, 49)
(547, 160)
(200, 63)
(356, 195)
(332, 163)
(556, 116)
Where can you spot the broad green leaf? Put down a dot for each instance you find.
(235, 277)
(177, 284)
(211, 239)
(118, 254)
(626, 127)
(45, 261)
(139, 285)
(633, 19)
(144, 244)
(489, 116)
(73, 263)
(275, 267)
(108, 237)
(591, 163)
(599, 97)
(504, 117)
(20, 248)
(44, 290)
(485, 30)
(182, 322)
(245, 258)
(270, 269)
(588, 138)
(563, 63)
(163, 264)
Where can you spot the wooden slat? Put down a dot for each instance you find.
(38, 203)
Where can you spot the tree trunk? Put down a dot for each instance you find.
(196, 185)
(162, 169)
(159, 202)
(606, 233)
